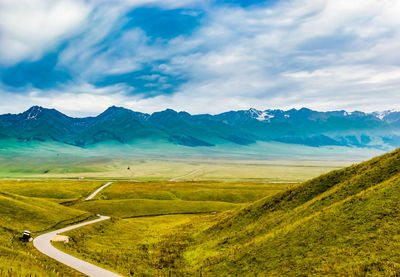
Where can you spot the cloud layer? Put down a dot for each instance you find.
(199, 56)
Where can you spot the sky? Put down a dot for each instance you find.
(200, 56)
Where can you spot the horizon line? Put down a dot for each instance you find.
(193, 114)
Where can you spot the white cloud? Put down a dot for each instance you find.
(288, 56)
(322, 54)
(77, 100)
(29, 28)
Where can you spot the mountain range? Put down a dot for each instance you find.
(296, 126)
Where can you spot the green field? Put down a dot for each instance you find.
(50, 189)
(144, 246)
(44, 205)
(342, 223)
(158, 170)
(157, 161)
(232, 192)
(132, 199)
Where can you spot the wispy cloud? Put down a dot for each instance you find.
(203, 56)
(29, 28)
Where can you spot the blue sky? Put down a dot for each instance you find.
(210, 56)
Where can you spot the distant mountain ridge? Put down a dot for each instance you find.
(243, 127)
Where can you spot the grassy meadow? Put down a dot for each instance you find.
(132, 199)
(180, 170)
(44, 205)
(50, 189)
(143, 246)
(154, 161)
(212, 219)
(344, 223)
(21, 208)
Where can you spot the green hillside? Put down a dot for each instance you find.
(37, 215)
(342, 223)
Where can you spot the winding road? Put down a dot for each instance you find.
(43, 244)
(97, 191)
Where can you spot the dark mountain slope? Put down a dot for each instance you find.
(304, 126)
(342, 223)
(117, 124)
(39, 123)
(199, 130)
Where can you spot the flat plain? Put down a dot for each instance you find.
(180, 170)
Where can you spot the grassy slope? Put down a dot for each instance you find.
(145, 246)
(33, 205)
(342, 223)
(31, 210)
(18, 213)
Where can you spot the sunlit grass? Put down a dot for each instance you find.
(234, 192)
(144, 207)
(344, 223)
(147, 246)
(225, 171)
(57, 189)
(37, 215)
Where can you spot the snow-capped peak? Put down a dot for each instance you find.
(254, 112)
(265, 116)
(34, 112)
(382, 115)
(260, 115)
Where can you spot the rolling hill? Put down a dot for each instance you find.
(341, 223)
(18, 213)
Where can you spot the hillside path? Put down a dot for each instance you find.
(97, 191)
(43, 244)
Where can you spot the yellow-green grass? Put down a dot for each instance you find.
(144, 207)
(19, 259)
(344, 223)
(19, 213)
(56, 189)
(146, 246)
(217, 170)
(234, 192)
(129, 199)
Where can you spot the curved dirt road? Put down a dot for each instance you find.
(97, 191)
(42, 243)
